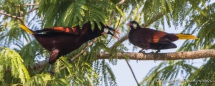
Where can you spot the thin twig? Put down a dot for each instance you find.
(18, 8)
(82, 51)
(132, 72)
(19, 16)
(9, 15)
(31, 10)
(121, 2)
(114, 12)
(112, 17)
(31, 20)
(31, 4)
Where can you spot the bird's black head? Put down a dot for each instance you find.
(133, 25)
(111, 31)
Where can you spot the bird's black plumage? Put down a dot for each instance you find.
(147, 38)
(63, 40)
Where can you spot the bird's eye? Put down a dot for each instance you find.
(134, 25)
(106, 30)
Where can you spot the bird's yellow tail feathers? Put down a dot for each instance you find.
(26, 29)
(185, 36)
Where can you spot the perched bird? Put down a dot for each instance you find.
(63, 40)
(147, 38)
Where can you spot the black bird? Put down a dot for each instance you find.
(63, 40)
(147, 38)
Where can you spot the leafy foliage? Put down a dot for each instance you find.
(11, 61)
(73, 12)
(21, 51)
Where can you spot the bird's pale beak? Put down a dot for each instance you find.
(128, 24)
(112, 34)
(115, 36)
(117, 31)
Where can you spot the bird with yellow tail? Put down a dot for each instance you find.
(63, 40)
(147, 38)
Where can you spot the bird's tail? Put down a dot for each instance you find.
(185, 36)
(26, 29)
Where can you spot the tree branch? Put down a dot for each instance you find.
(161, 56)
(132, 73)
(33, 9)
(150, 56)
(82, 51)
(114, 12)
(9, 15)
(32, 4)
(120, 2)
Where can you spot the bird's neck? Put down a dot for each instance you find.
(135, 29)
(90, 34)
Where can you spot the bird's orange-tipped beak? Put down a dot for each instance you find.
(117, 31)
(115, 36)
(128, 24)
(111, 34)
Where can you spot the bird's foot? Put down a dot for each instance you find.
(155, 56)
(142, 51)
(157, 51)
(50, 71)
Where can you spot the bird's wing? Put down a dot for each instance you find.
(73, 31)
(158, 36)
(162, 46)
(150, 35)
(139, 39)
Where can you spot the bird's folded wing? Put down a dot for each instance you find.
(73, 31)
(150, 35)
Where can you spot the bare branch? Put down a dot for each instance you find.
(31, 10)
(162, 56)
(9, 15)
(121, 2)
(132, 72)
(31, 4)
(82, 51)
(150, 56)
(114, 12)
(18, 8)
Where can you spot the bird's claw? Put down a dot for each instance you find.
(51, 73)
(142, 51)
(157, 51)
(50, 70)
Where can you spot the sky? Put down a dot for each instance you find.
(124, 75)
